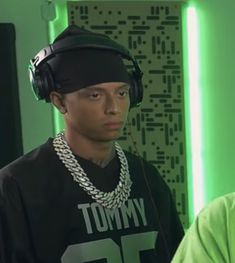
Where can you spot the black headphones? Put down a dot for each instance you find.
(41, 75)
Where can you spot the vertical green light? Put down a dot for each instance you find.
(193, 108)
(55, 27)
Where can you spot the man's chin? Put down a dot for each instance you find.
(111, 137)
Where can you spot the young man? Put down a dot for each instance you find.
(79, 197)
(211, 238)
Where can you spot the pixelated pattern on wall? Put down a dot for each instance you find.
(152, 32)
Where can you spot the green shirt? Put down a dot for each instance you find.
(211, 238)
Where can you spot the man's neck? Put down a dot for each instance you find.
(104, 162)
(100, 153)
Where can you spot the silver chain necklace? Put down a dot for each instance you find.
(110, 200)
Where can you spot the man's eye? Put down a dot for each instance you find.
(123, 93)
(94, 95)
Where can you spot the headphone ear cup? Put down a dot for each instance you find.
(42, 82)
(136, 89)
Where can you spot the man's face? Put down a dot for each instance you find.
(98, 112)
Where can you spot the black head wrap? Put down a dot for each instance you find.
(79, 68)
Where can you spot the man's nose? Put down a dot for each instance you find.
(112, 106)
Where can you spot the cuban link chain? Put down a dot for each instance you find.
(110, 200)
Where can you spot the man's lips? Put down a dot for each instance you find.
(114, 125)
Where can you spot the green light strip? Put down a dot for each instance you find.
(193, 111)
(55, 27)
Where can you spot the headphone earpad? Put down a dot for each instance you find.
(136, 89)
(42, 82)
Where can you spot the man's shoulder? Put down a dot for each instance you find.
(222, 206)
(146, 168)
(29, 160)
(137, 160)
(227, 200)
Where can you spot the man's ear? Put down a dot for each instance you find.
(57, 99)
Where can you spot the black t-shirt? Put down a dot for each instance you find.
(45, 216)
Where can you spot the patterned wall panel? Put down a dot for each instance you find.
(152, 32)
